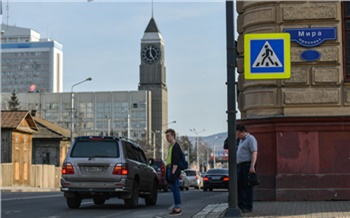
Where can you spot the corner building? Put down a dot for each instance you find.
(302, 124)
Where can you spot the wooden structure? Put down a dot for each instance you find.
(17, 128)
(51, 144)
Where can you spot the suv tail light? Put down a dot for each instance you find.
(67, 168)
(205, 179)
(226, 178)
(120, 169)
(163, 169)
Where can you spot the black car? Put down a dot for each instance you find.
(216, 178)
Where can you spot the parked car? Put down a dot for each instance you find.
(159, 166)
(184, 182)
(195, 179)
(216, 178)
(101, 168)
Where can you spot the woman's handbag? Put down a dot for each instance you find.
(253, 179)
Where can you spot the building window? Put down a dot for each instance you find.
(346, 39)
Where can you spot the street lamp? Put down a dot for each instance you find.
(197, 133)
(154, 142)
(214, 148)
(108, 124)
(72, 108)
(162, 137)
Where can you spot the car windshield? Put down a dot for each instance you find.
(217, 172)
(190, 172)
(90, 149)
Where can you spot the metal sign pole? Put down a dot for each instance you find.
(232, 210)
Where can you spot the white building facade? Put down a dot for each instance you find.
(28, 62)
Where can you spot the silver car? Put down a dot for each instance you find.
(105, 167)
(195, 179)
(184, 182)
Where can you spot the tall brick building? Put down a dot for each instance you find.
(303, 123)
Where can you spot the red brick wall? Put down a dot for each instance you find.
(302, 158)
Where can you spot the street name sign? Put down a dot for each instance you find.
(267, 56)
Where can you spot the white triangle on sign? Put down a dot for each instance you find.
(267, 58)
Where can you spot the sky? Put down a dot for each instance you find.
(102, 40)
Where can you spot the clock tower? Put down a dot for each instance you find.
(152, 78)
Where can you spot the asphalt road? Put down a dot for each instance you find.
(53, 205)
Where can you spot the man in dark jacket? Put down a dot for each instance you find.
(173, 171)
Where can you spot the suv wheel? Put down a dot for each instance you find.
(151, 199)
(99, 201)
(74, 202)
(134, 200)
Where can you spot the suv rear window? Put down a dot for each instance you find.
(103, 149)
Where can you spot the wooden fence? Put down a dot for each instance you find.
(41, 176)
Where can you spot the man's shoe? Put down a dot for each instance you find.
(246, 211)
(175, 212)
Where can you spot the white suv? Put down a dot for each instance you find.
(105, 167)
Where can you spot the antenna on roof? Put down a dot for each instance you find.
(7, 12)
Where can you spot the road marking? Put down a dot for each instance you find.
(34, 197)
(212, 210)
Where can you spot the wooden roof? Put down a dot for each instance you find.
(50, 130)
(18, 120)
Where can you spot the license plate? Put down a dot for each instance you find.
(93, 169)
(216, 178)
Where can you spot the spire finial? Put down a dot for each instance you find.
(152, 8)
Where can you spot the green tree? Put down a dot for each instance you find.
(14, 103)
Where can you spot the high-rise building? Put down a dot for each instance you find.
(29, 63)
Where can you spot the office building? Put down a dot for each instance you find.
(29, 62)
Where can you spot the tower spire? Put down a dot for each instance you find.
(152, 8)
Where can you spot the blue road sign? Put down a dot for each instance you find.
(267, 56)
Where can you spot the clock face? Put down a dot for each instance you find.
(150, 54)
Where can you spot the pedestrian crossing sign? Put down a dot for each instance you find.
(267, 56)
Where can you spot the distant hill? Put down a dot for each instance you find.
(217, 139)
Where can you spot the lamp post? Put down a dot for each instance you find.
(72, 108)
(214, 148)
(162, 137)
(154, 142)
(197, 133)
(108, 125)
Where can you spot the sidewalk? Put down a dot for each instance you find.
(27, 189)
(300, 209)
